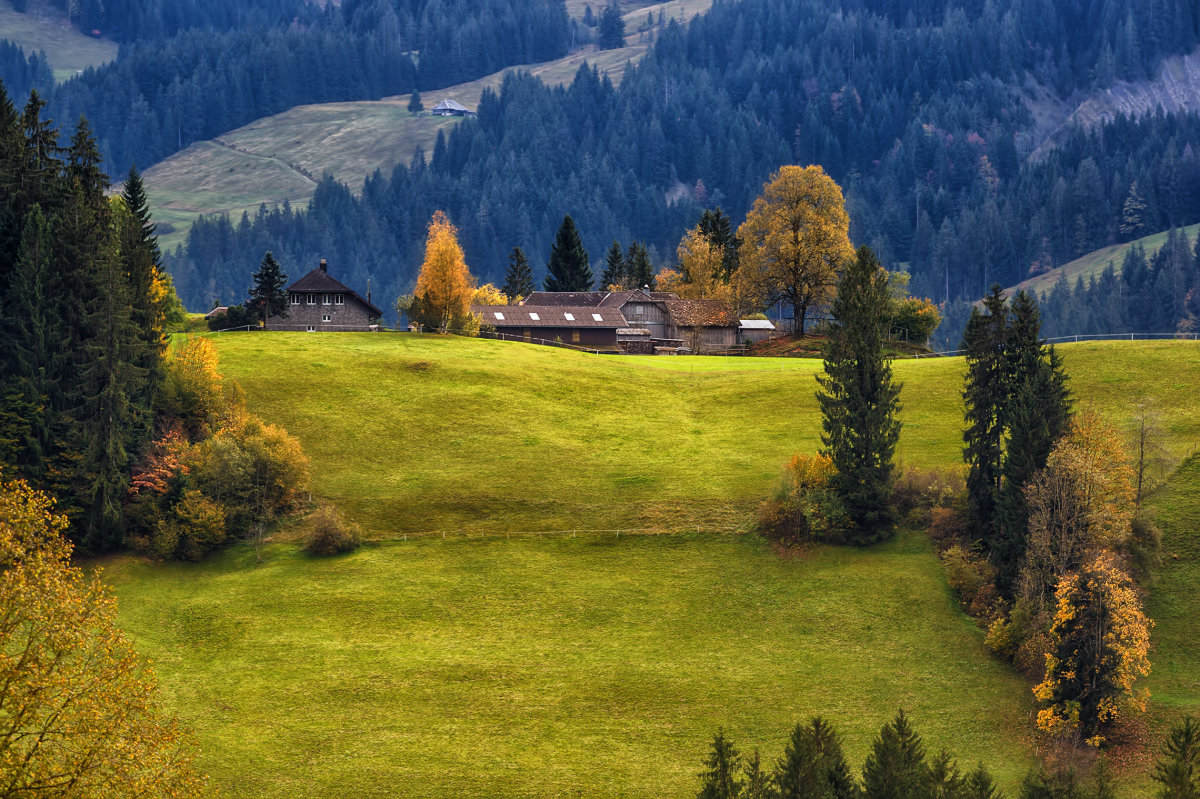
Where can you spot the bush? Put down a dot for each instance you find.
(917, 317)
(917, 492)
(948, 525)
(970, 577)
(331, 534)
(192, 388)
(236, 316)
(804, 507)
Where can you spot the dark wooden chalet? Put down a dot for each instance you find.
(318, 302)
(587, 326)
(640, 308)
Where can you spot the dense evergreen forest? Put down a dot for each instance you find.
(162, 94)
(918, 111)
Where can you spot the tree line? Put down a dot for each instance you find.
(918, 118)
(813, 764)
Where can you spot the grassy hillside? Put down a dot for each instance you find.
(418, 434)
(279, 157)
(590, 665)
(43, 27)
(1095, 262)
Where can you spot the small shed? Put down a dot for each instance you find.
(450, 108)
(635, 340)
(752, 330)
(705, 325)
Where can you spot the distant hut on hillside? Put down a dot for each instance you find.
(449, 108)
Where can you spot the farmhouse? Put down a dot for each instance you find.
(318, 302)
(449, 108)
(587, 326)
(640, 308)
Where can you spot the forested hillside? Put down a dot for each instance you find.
(209, 76)
(924, 115)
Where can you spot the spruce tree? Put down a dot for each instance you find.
(568, 269)
(1036, 415)
(1178, 771)
(10, 217)
(719, 778)
(718, 229)
(615, 273)
(859, 400)
(27, 331)
(638, 267)
(985, 396)
(896, 768)
(415, 106)
(611, 28)
(813, 765)
(268, 295)
(142, 262)
(518, 281)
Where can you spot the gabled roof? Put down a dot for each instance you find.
(700, 313)
(318, 280)
(550, 316)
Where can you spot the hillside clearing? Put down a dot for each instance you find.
(280, 157)
(1092, 264)
(44, 27)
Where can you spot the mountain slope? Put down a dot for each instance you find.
(280, 157)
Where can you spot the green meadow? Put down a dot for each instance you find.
(587, 663)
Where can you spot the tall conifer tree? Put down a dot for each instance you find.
(518, 281)
(268, 295)
(985, 396)
(896, 767)
(859, 401)
(637, 262)
(615, 271)
(568, 269)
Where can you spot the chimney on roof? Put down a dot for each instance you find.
(324, 268)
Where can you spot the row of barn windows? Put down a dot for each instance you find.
(326, 299)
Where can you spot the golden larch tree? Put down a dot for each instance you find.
(445, 283)
(796, 240)
(80, 713)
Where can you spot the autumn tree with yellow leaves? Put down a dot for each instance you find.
(795, 240)
(80, 713)
(444, 286)
(1100, 644)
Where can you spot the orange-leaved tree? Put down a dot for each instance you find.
(795, 240)
(445, 284)
(80, 713)
(1099, 648)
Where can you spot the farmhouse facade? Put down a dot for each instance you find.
(317, 303)
(637, 321)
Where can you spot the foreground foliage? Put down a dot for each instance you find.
(80, 713)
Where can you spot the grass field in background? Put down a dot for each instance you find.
(44, 27)
(1092, 264)
(593, 665)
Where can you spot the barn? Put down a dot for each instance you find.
(586, 326)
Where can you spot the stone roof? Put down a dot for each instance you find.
(550, 316)
(701, 313)
(450, 105)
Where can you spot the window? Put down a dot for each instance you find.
(535, 317)
(575, 336)
(328, 299)
(570, 317)
(326, 318)
(637, 310)
(312, 299)
(295, 299)
(597, 317)
(311, 329)
(498, 315)
(339, 299)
